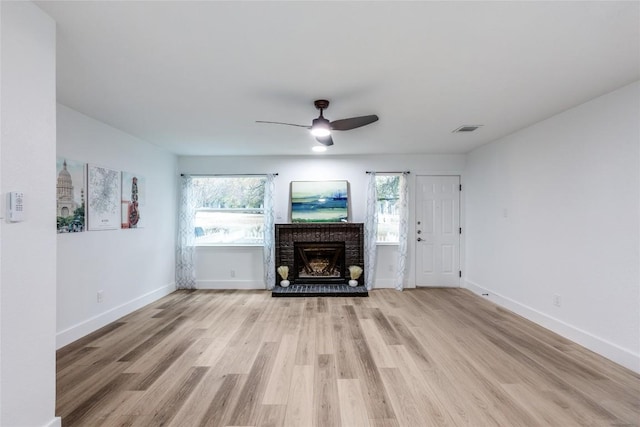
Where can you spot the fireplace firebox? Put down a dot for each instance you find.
(318, 262)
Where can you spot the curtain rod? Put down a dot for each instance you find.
(228, 174)
(405, 172)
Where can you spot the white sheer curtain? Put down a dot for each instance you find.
(268, 256)
(403, 212)
(185, 248)
(370, 232)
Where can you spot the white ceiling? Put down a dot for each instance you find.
(192, 77)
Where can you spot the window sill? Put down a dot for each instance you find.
(226, 245)
(387, 243)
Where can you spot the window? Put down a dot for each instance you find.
(387, 187)
(229, 210)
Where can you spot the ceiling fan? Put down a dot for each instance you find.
(321, 128)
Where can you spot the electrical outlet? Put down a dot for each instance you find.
(232, 273)
(557, 301)
(391, 268)
(100, 296)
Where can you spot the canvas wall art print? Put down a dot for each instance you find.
(133, 198)
(103, 198)
(70, 195)
(319, 201)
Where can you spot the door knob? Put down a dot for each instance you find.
(419, 239)
(419, 231)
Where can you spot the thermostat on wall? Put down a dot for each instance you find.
(15, 206)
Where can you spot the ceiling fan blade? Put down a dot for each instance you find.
(288, 124)
(325, 140)
(353, 122)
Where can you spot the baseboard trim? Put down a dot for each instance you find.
(230, 284)
(56, 422)
(384, 284)
(611, 351)
(92, 324)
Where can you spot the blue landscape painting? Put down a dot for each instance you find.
(319, 201)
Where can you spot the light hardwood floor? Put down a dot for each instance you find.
(422, 357)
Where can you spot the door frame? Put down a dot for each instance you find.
(412, 225)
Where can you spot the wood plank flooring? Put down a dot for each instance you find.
(422, 357)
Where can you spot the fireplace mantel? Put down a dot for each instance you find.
(352, 234)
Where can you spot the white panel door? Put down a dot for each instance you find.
(437, 231)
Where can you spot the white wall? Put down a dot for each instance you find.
(132, 267)
(28, 249)
(554, 210)
(214, 264)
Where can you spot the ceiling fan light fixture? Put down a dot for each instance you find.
(320, 127)
(320, 131)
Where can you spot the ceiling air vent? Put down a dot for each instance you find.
(466, 128)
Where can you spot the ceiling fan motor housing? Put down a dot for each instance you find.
(320, 122)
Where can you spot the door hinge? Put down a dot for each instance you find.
(460, 273)
(460, 230)
(460, 187)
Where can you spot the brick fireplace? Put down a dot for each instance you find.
(319, 253)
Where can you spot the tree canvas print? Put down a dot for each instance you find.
(319, 201)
